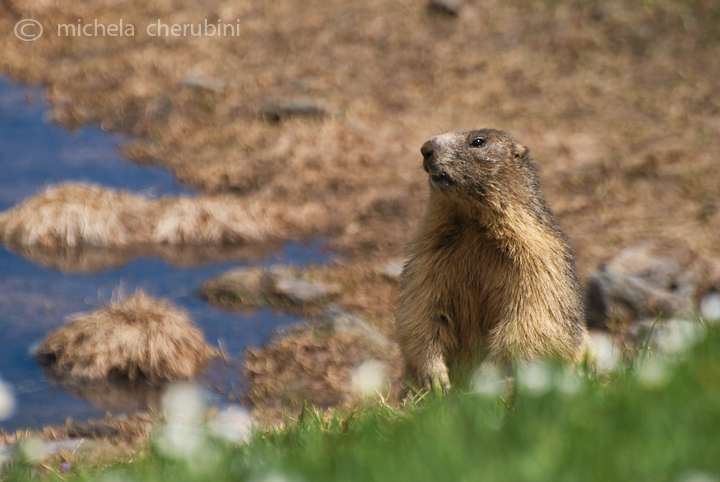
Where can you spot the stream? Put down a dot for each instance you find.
(35, 299)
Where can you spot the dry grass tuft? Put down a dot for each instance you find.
(76, 215)
(137, 338)
(207, 221)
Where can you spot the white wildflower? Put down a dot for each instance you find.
(33, 450)
(696, 476)
(233, 424)
(184, 402)
(710, 307)
(677, 336)
(604, 352)
(535, 377)
(569, 381)
(183, 435)
(369, 378)
(654, 372)
(274, 477)
(180, 440)
(488, 380)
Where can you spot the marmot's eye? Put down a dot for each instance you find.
(478, 142)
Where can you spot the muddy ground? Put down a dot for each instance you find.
(618, 101)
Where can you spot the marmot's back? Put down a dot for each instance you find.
(490, 273)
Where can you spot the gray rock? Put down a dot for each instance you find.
(279, 110)
(445, 7)
(244, 286)
(624, 298)
(393, 269)
(637, 284)
(710, 307)
(302, 292)
(340, 321)
(277, 286)
(639, 261)
(53, 447)
(203, 82)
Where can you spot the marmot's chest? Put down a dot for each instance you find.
(473, 278)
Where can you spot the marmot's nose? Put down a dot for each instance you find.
(428, 149)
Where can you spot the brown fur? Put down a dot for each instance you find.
(137, 338)
(490, 274)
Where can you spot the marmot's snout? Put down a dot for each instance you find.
(429, 150)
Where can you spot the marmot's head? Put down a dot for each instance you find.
(482, 165)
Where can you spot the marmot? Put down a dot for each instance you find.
(490, 275)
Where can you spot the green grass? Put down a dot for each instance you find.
(657, 421)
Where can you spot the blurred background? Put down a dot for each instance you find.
(330, 101)
(323, 105)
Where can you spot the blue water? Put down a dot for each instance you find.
(37, 299)
(35, 153)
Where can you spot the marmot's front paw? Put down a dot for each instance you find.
(437, 381)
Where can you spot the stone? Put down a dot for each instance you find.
(203, 82)
(278, 286)
(279, 110)
(393, 269)
(303, 292)
(637, 284)
(446, 7)
(639, 261)
(52, 447)
(625, 298)
(242, 286)
(338, 320)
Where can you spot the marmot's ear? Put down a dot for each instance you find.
(520, 151)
